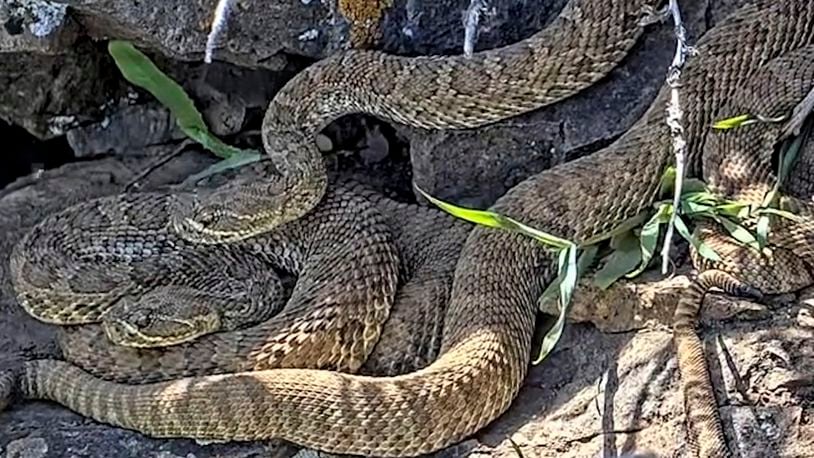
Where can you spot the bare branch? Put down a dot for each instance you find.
(674, 115)
(218, 24)
(473, 13)
(801, 111)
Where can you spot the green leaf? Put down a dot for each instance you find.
(702, 248)
(788, 157)
(649, 237)
(733, 209)
(667, 182)
(762, 230)
(237, 160)
(568, 282)
(625, 226)
(138, 69)
(781, 213)
(770, 198)
(495, 220)
(586, 259)
(691, 208)
(731, 123)
(625, 257)
(689, 185)
(738, 232)
(568, 273)
(701, 197)
(540, 236)
(789, 152)
(481, 217)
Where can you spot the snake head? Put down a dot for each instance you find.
(160, 318)
(233, 212)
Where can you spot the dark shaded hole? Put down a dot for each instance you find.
(24, 153)
(391, 175)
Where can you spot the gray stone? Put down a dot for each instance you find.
(50, 94)
(376, 147)
(257, 29)
(130, 128)
(437, 27)
(35, 26)
(29, 447)
(618, 395)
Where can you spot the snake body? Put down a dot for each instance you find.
(115, 260)
(741, 164)
(488, 323)
(586, 41)
(347, 236)
(428, 250)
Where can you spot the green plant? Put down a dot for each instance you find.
(632, 247)
(139, 70)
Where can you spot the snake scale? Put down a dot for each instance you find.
(741, 164)
(119, 248)
(582, 45)
(428, 250)
(488, 322)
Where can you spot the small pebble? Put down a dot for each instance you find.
(324, 143)
(29, 447)
(805, 318)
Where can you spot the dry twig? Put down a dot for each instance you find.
(471, 21)
(218, 24)
(674, 115)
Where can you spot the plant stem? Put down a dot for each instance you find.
(218, 24)
(674, 115)
(473, 12)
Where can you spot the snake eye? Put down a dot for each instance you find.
(141, 318)
(207, 218)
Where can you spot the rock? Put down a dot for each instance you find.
(128, 129)
(421, 27)
(52, 78)
(36, 26)
(805, 318)
(29, 447)
(618, 394)
(376, 147)
(256, 30)
(50, 94)
(648, 301)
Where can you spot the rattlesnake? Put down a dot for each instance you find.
(115, 260)
(488, 323)
(428, 250)
(740, 164)
(581, 46)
